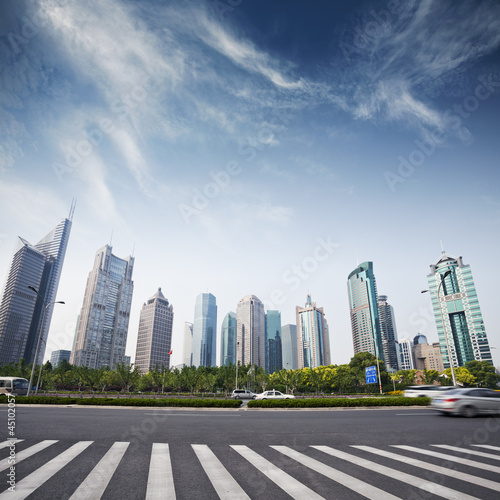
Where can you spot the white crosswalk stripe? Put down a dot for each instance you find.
(225, 478)
(22, 455)
(487, 446)
(9, 442)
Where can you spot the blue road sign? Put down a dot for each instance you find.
(371, 374)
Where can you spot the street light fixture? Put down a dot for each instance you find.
(46, 306)
(447, 273)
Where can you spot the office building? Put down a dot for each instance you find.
(187, 344)
(290, 357)
(250, 332)
(463, 333)
(21, 309)
(405, 359)
(389, 333)
(103, 326)
(205, 331)
(428, 357)
(154, 339)
(419, 339)
(312, 336)
(273, 338)
(228, 340)
(57, 356)
(365, 324)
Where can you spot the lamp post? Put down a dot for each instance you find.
(447, 273)
(46, 306)
(237, 345)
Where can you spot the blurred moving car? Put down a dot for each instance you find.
(242, 394)
(428, 391)
(274, 395)
(468, 402)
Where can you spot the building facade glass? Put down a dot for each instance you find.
(290, 359)
(458, 317)
(187, 344)
(405, 355)
(389, 333)
(205, 331)
(103, 326)
(250, 332)
(273, 338)
(58, 356)
(228, 340)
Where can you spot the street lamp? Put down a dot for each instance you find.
(46, 306)
(447, 273)
(237, 345)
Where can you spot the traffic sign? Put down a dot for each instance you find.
(371, 374)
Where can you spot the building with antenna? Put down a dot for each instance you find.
(101, 337)
(21, 310)
(459, 322)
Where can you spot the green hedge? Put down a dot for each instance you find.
(338, 402)
(179, 402)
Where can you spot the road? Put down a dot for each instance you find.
(84, 452)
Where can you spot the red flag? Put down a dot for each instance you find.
(170, 353)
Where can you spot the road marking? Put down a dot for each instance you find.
(93, 486)
(469, 452)
(225, 486)
(487, 446)
(429, 486)
(9, 442)
(450, 458)
(286, 482)
(28, 452)
(434, 468)
(187, 415)
(160, 479)
(405, 414)
(365, 489)
(30, 483)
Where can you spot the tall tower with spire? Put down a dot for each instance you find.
(459, 321)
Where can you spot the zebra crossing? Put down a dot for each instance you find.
(453, 469)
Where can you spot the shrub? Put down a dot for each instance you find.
(340, 402)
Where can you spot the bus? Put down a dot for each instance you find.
(14, 385)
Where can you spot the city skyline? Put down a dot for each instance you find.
(244, 153)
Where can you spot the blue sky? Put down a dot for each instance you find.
(255, 147)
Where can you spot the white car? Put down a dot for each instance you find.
(427, 391)
(274, 395)
(468, 402)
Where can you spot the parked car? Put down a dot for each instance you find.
(467, 402)
(242, 394)
(274, 395)
(428, 391)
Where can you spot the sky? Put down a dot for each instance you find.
(251, 147)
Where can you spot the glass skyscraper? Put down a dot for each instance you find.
(313, 341)
(103, 326)
(458, 306)
(250, 332)
(154, 339)
(205, 331)
(365, 323)
(187, 343)
(21, 310)
(273, 341)
(389, 333)
(228, 340)
(290, 358)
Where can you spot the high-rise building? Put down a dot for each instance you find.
(250, 332)
(273, 333)
(154, 339)
(228, 340)
(420, 338)
(103, 326)
(290, 357)
(366, 332)
(58, 356)
(428, 357)
(389, 333)
(405, 360)
(187, 343)
(463, 332)
(21, 310)
(312, 336)
(205, 331)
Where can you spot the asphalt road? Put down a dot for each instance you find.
(255, 448)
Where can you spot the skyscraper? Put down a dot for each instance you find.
(458, 306)
(187, 343)
(58, 356)
(154, 338)
(228, 340)
(250, 332)
(290, 357)
(21, 310)
(405, 360)
(312, 336)
(389, 334)
(365, 324)
(273, 338)
(103, 326)
(205, 331)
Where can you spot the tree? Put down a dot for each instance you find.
(484, 372)
(359, 362)
(463, 376)
(429, 376)
(128, 375)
